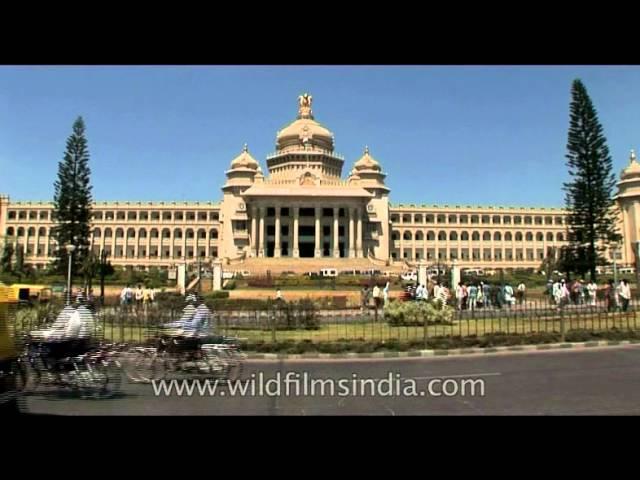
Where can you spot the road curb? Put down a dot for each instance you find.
(458, 352)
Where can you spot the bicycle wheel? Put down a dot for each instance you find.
(128, 362)
(150, 367)
(236, 366)
(107, 377)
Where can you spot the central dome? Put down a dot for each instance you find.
(633, 170)
(304, 133)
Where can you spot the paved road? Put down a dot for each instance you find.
(599, 381)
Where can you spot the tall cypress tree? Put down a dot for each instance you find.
(72, 201)
(589, 194)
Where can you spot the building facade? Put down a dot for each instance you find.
(305, 209)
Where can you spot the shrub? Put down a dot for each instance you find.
(216, 294)
(416, 313)
(261, 282)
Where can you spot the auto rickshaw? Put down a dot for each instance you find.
(9, 391)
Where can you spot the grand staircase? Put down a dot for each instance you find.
(260, 266)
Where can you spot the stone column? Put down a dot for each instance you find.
(184, 242)
(359, 252)
(261, 233)
(254, 233)
(148, 255)
(336, 232)
(422, 272)
(136, 244)
(276, 249)
(352, 246)
(296, 220)
(455, 275)
(217, 275)
(424, 245)
(413, 246)
(37, 244)
(318, 236)
(402, 245)
(48, 240)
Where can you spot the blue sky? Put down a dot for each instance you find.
(445, 135)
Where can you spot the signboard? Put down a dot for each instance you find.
(172, 274)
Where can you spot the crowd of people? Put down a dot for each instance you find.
(480, 294)
(140, 298)
(578, 292)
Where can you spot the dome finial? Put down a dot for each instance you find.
(304, 106)
(632, 157)
(245, 148)
(366, 149)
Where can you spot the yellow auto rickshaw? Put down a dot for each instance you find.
(9, 391)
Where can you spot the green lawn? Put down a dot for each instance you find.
(371, 331)
(368, 330)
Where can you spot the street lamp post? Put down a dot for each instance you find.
(70, 248)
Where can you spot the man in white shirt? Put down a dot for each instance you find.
(376, 296)
(521, 290)
(436, 290)
(624, 292)
(592, 288)
(459, 295)
(139, 296)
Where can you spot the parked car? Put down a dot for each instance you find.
(329, 272)
(411, 276)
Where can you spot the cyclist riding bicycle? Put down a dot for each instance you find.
(70, 335)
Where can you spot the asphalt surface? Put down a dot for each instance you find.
(575, 382)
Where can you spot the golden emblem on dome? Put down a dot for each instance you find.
(304, 106)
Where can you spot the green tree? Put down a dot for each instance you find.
(72, 201)
(19, 266)
(6, 258)
(589, 193)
